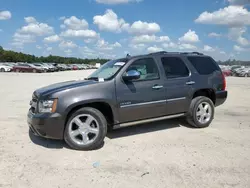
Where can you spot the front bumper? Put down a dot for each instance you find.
(46, 125)
(221, 97)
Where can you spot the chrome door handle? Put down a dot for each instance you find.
(157, 87)
(190, 83)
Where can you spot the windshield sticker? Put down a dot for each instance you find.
(101, 79)
(120, 63)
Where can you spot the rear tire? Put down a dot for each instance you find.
(77, 140)
(196, 108)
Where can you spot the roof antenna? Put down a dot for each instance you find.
(128, 55)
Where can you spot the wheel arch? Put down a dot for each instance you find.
(207, 92)
(104, 107)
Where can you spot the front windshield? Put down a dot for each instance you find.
(109, 69)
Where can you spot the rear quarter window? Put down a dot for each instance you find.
(204, 65)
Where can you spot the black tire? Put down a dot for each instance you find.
(102, 129)
(2, 70)
(191, 115)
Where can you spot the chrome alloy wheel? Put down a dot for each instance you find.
(83, 129)
(203, 112)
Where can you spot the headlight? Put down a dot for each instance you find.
(47, 106)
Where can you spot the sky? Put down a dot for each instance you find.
(113, 28)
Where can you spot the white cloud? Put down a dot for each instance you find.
(240, 49)
(30, 19)
(18, 45)
(208, 48)
(103, 45)
(236, 34)
(233, 16)
(239, 2)
(80, 33)
(75, 23)
(190, 37)
(38, 47)
(23, 38)
(36, 28)
(62, 26)
(62, 18)
(154, 48)
(5, 15)
(110, 22)
(140, 28)
(68, 51)
(150, 39)
(215, 35)
(67, 44)
(187, 47)
(49, 48)
(170, 45)
(51, 39)
(137, 46)
(112, 2)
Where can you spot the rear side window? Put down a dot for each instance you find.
(174, 67)
(204, 65)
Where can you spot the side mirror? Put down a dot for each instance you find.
(131, 75)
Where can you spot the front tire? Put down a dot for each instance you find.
(85, 129)
(2, 70)
(201, 112)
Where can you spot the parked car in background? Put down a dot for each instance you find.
(244, 72)
(39, 66)
(5, 68)
(25, 67)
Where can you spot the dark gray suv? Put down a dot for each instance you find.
(129, 91)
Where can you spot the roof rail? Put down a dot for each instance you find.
(197, 53)
(160, 52)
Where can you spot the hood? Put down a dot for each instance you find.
(53, 88)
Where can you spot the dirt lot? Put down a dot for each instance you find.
(164, 154)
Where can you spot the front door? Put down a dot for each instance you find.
(143, 98)
(178, 83)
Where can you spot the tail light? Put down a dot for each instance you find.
(224, 83)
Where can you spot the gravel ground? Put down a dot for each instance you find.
(163, 154)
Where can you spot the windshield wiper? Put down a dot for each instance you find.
(92, 78)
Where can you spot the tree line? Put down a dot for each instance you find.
(11, 56)
(234, 62)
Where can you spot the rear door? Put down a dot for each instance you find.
(143, 98)
(178, 83)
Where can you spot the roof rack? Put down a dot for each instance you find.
(197, 53)
(160, 52)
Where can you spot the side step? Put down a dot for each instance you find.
(147, 121)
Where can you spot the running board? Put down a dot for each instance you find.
(147, 121)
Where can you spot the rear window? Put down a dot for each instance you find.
(204, 65)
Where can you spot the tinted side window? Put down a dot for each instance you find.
(147, 68)
(174, 67)
(203, 65)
